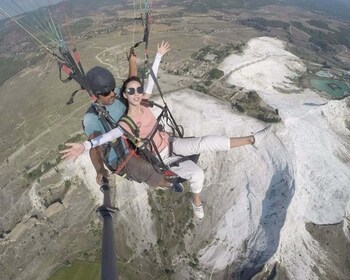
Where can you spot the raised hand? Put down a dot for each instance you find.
(130, 54)
(163, 48)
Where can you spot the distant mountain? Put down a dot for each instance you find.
(335, 8)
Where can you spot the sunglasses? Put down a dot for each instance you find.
(132, 91)
(106, 93)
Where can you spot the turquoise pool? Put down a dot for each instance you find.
(335, 88)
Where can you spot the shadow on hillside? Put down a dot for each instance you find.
(264, 241)
(314, 104)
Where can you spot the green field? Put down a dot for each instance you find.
(78, 270)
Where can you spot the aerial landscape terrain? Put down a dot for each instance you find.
(281, 211)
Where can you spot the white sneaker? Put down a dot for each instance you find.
(260, 135)
(197, 210)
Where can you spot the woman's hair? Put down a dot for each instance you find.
(123, 88)
(128, 80)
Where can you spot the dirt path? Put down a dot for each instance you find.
(118, 49)
(23, 148)
(241, 66)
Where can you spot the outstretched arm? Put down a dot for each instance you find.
(163, 48)
(96, 156)
(76, 149)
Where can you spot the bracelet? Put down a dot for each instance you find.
(92, 144)
(87, 145)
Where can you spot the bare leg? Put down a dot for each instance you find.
(241, 141)
(196, 199)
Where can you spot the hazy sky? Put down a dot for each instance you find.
(14, 7)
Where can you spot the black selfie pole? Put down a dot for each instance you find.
(109, 256)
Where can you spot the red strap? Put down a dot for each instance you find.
(123, 164)
(65, 69)
(76, 56)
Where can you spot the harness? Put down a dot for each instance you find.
(128, 147)
(149, 149)
(119, 145)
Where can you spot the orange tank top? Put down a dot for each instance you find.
(146, 122)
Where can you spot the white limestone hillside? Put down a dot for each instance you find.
(314, 129)
(314, 132)
(262, 206)
(282, 210)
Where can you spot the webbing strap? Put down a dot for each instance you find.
(125, 161)
(65, 69)
(72, 64)
(71, 99)
(131, 124)
(134, 138)
(108, 124)
(170, 117)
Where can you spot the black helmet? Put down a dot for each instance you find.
(100, 80)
